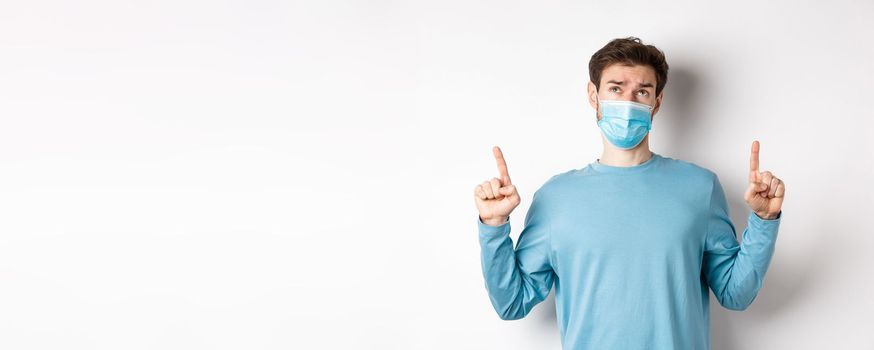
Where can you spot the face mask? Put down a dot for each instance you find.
(624, 123)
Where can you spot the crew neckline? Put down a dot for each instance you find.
(604, 168)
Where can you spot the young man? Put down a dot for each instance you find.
(633, 240)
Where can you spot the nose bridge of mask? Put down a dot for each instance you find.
(626, 107)
(625, 111)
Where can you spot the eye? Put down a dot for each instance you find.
(643, 93)
(614, 89)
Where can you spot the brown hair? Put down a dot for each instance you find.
(629, 51)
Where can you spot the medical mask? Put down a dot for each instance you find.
(624, 123)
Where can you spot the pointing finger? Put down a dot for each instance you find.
(502, 165)
(754, 161)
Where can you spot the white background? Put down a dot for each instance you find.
(299, 175)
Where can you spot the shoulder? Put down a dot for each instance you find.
(697, 181)
(558, 181)
(555, 184)
(688, 171)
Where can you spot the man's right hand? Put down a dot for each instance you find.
(496, 198)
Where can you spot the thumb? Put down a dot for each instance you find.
(755, 187)
(760, 186)
(507, 190)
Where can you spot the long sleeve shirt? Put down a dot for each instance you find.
(632, 252)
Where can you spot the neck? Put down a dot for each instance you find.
(625, 157)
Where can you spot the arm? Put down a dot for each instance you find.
(516, 280)
(736, 272)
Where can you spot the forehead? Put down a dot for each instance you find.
(633, 75)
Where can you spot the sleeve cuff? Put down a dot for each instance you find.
(756, 216)
(763, 225)
(490, 230)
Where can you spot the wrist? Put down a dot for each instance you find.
(498, 221)
(766, 216)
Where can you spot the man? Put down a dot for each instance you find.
(633, 240)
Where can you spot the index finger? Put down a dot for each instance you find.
(502, 165)
(754, 161)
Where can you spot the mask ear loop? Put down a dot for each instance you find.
(652, 108)
(597, 105)
(651, 115)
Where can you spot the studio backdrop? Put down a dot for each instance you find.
(300, 175)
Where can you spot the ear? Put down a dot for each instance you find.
(592, 92)
(658, 103)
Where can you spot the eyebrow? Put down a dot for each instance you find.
(622, 83)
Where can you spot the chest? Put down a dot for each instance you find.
(610, 221)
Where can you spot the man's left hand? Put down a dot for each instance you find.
(765, 192)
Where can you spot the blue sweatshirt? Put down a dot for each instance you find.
(632, 252)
